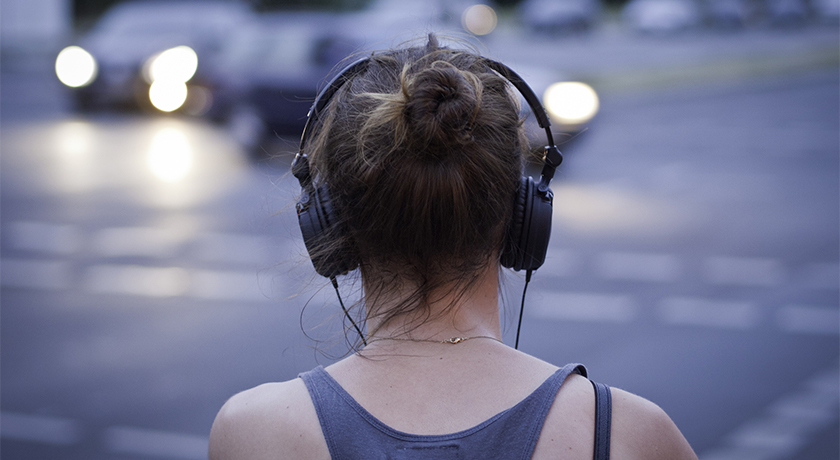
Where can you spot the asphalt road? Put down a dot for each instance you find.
(149, 271)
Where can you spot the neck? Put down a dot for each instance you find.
(450, 312)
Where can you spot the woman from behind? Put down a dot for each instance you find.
(417, 162)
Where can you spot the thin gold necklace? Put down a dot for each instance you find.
(450, 341)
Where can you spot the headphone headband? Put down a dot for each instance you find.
(528, 234)
(552, 158)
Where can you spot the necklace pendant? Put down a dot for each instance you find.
(455, 340)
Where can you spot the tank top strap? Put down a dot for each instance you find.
(531, 413)
(336, 415)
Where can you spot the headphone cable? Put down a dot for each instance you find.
(347, 313)
(522, 307)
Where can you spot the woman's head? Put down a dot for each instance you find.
(422, 153)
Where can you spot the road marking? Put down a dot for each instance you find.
(137, 241)
(44, 237)
(234, 248)
(580, 306)
(137, 280)
(822, 276)
(561, 262)
(48, 275)
(661, 268)
(227, 285)
(706, 312)
(40, 428)
(137, 441)
(787, 423)
(809, 319)
(739, 271)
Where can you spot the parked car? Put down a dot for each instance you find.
(270, 73)
(560, 17)
(119, 54)
(726, 14)
(661, 16)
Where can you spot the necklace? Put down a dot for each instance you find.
(450, 341)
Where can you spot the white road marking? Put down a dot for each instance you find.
(809, 319)
(137, 241)
(154, 443)
(44, 237)
(661, 268)
(787, 424)
(561, 262)
(227, 285)
(822, 276)
(40, 428)
(580, 306)
(706, 312)
(137, 280)
(117, 439)
(234, 248)
(47, 275)
(739, 271)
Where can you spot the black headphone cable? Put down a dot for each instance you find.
(347, 313)
(522, 307)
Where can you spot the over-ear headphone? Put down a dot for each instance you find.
(526, 240)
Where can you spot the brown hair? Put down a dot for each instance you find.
(422, 152)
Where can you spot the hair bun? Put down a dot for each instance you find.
(442, 103)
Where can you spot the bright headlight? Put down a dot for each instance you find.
(571, 102)
(75, 67)
(175, 64)
(167, 96)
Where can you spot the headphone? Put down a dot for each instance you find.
(526, 238)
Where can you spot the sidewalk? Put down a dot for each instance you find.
(614, 59)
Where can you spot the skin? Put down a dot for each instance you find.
(431, 388)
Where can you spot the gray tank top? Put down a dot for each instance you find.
(352, 433)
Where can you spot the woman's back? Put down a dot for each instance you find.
(440, 393)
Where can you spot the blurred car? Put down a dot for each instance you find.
(559, 17)
(661, 16)
(269, 73)
(827, 11)
(139, 47)
(786, 13)
(726, 14)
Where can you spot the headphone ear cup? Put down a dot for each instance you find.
(529, 231)
(318, 225)
(512, 252)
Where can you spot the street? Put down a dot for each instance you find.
(150, 270)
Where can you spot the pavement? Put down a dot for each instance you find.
(615, 59)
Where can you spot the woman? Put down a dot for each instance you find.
(416, 167)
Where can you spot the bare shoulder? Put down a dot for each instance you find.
(642, 430)
(274, 420)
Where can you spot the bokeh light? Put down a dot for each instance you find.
(175, 64)
(479, 19)
(170, 156)
(571, 102)
(75, 67)
(167, 95)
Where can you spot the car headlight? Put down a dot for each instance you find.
(571, 102)
(175, 65)
(167, 95)
(75, 67)
(167, 73)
